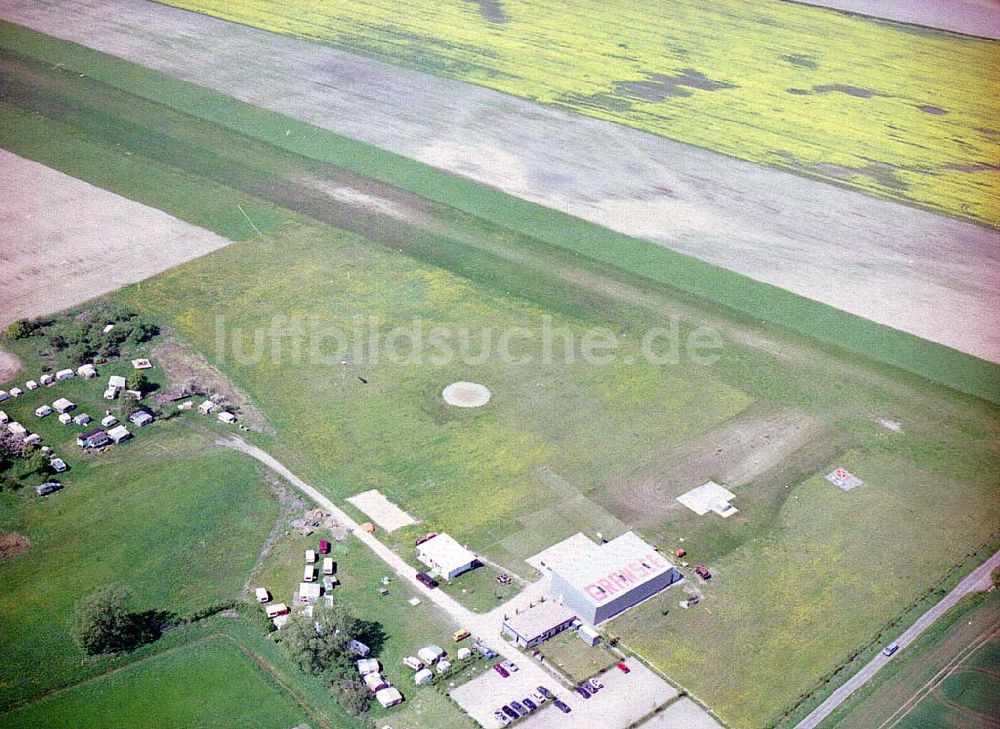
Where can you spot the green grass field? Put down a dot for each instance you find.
(560, 443)
(872, 105)
(958, 643)
(178, 522)
(211, 683)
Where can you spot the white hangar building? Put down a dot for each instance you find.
(598, 581)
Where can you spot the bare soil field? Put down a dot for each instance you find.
(13, 544)
(10, 365)
(926, 274)
(65, 241)
(970, 17)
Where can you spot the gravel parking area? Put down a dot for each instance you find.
(625, 699)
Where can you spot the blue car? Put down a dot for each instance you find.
(510, 712)
(546, 693)
(582, 690)
(562, 706)
(516, 706)
(529, 705)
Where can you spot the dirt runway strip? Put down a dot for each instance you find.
(923, 273)
(970, 17)
(64, 241)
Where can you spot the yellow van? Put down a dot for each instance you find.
(460, 634)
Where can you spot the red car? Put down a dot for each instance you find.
(622, 667)
(324, 546)
(501, 670)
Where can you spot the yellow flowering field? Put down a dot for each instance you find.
(895, 111)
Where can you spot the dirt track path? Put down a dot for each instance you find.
(974, 582)
(971, 17)
(926, 274)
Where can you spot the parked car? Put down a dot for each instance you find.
(460, 635)
(484, 650)
(501, 670)
(501, 717)
(703, 572)
(529, 704)
(596, 684)
(562, 706)
(518, 707)
(426, 580)
(583, 691)
(623, 667)
(510, 712)
(890, 649)
(538, 698)
(510, 666)
(546, 693)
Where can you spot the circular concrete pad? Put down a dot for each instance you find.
(466, 395)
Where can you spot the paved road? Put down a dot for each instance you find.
(977, 581)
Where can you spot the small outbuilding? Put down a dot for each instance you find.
(446, 556)
(328, 565)
(430, 654)
(537, 624)
(389, 697)
(309, 573)
(93, 439)
(65, 418)
(62, 405)
(206, 407)
(87, 371)
(276, 609)
(310, 556)
(119, 433)
(309, 592)
(141, 418)
(374, 682)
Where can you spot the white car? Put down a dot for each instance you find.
(502, 717)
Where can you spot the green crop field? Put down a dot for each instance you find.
(886, 109)
(563, 446)
(206, 684)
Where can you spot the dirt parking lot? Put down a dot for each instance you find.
(910, 269)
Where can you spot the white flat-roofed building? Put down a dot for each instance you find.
(309, 592)
(446, 557)
(599, 582)
(537, 624)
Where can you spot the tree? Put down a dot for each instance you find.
(21, 329)
(137, 381)
(352, 696)
(101, 624)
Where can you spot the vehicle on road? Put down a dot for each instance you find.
(501, 670)
(426, 580)
(546, 693)
(582, 690)
(623, 667)
(510, 666)
(529, 704)
(890, 649)
(510, 712)
(562, 706)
